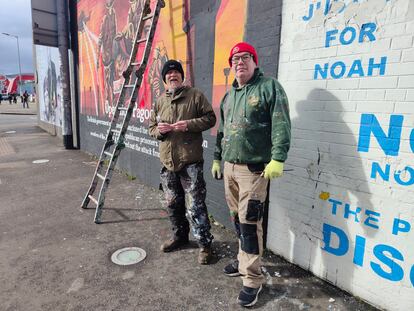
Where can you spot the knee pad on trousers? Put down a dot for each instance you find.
(237, 226)
(236, 221)
(254, 210)
(248, 239)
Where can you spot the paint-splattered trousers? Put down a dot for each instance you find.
(188, 181)
(246, 193)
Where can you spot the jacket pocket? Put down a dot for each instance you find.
(254, 210)
(190, 150)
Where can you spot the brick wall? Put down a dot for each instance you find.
(346, 210)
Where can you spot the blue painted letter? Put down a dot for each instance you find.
(376, 168)
(343, 240)
(390, 144)
(380, 66)
(400, 226)
(359, 250)
(396, 273)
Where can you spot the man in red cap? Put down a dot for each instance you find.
(253, 139)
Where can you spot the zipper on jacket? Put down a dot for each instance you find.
(233, 106)
(245, 103)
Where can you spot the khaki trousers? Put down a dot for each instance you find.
(246, 193)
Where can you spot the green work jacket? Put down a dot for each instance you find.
(254, 122)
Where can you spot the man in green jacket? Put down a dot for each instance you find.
(178, 119)
(253, 139)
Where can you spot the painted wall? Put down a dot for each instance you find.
(346, 211)
(194, 32)
(105, 34)
(49, 89)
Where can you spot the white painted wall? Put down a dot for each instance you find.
(50, 105)
(330, 170)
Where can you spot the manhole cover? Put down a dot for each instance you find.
(128, 256)
(10, 132)
(40, 161)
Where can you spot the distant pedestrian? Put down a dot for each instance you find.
(15, 98)
(25, 99)
(1, 98)
(10, 98)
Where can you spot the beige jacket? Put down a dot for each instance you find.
(178, 149)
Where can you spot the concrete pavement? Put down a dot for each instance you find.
(53, 257)
(6, 108)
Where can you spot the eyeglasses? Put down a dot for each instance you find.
(244, 58)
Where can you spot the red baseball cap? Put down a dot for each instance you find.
(243, 47)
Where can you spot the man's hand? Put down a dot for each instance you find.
(164, 127)
(180, 126)
(216, 170)
(273, 169)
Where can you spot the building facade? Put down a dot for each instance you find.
(344, 210)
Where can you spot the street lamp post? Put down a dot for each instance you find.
(18, 55)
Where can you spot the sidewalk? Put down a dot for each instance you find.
(53, 256)
(6, 108)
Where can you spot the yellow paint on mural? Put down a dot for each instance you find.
(229, 31)
(324, 196)
(230, 23)
(170, 31)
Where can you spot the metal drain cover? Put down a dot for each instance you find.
(128, 256)
(40, 161)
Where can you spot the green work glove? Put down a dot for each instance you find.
(273, 169)
(216, 170)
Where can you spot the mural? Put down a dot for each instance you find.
(224, 41)
(50, 91)
(106, 33)
(4, 82)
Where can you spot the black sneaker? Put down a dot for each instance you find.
(248, 296)
(232, 269)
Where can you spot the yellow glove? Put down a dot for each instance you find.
(273, 169)
(216, 170)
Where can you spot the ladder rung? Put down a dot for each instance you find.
(100, 176)
(180, 35)
(178, 7)
(148, 17)
(93, 199)
(116, 131)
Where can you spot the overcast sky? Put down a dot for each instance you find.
(16, 19)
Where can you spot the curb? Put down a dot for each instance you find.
(20, 113)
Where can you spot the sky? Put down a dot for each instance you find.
(16, 19)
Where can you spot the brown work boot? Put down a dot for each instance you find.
(204, 255)
(173, 244)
